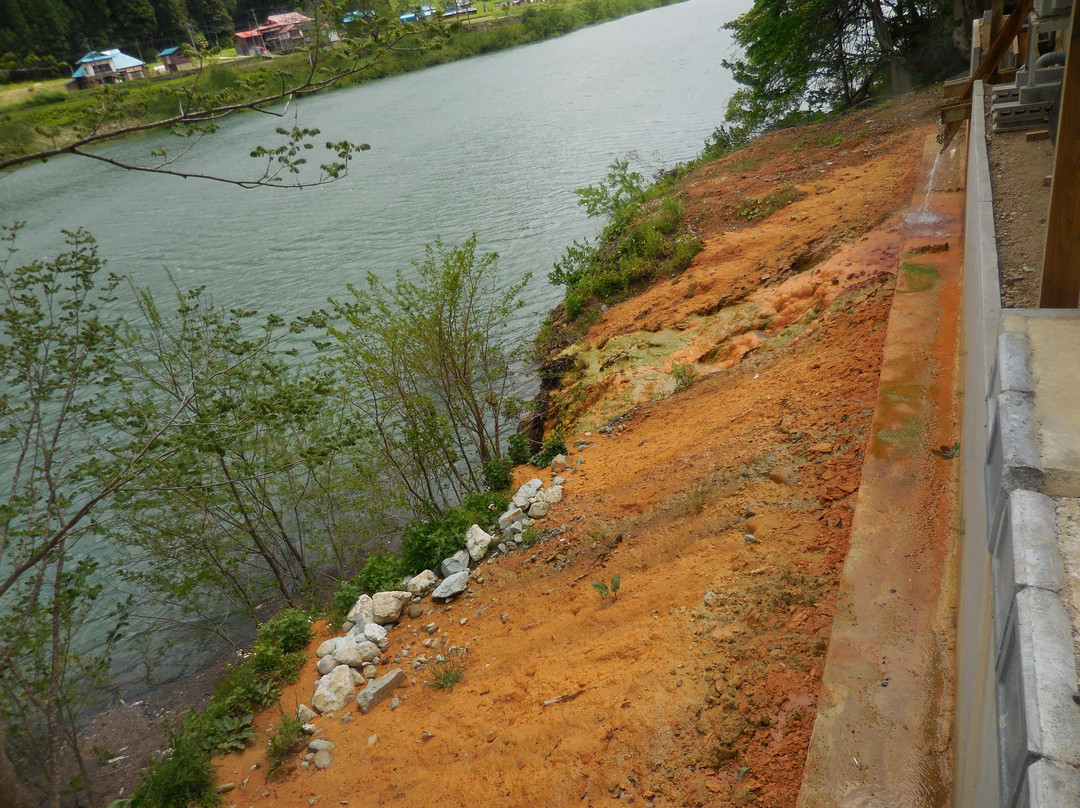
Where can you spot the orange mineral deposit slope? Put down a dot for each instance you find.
(725, 508)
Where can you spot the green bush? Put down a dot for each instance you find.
(519, 449)
(497, 473)
(182, 779)
(554, 444)
(287, 738)
(289, 632)
(380, 573)
(426, 542)
(483, 507)
(346, 594)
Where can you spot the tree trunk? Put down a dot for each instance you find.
(899, 80)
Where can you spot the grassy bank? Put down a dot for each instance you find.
(44, 116)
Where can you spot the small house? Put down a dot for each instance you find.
(175, 60)
(106, 67)
(249, 43)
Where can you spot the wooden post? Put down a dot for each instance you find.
(1061, 258)
(997, 11)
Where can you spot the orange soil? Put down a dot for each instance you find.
(698, 685)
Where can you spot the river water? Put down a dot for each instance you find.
(493, 145)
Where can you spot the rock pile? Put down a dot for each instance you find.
(355, 658)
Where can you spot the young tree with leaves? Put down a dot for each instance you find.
(428, 369)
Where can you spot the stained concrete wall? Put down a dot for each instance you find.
(976, 780)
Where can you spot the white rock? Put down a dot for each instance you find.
(421, 583)
(558, 481)
(520, 500)
(375, 632)
(538, 510)
(531, 488)
(387, 606)
(553, 494)
(356, 653)
(362, 611)
(333, 691)
(560, 463)
(326, 664)
(327, 647)
(305, 714)
(476, 542)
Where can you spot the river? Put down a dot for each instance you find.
(493, 145)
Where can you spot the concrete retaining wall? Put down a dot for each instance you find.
(1018, 727)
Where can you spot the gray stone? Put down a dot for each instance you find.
(421, 583)
(333, 690)
(322, 759)
(512, 515)
(326, 664)
(387, 606)
(369, 671)
(476, 542)
(559, 463)
(362, 611)
(502, 547)
(557, 481)
(553, 495)
(356, 652)
(346, 626)
(414, 610)
(319, 744)
(538, 510)
(454, 585)
(327, 647)
(305, 714)
(378, 689)
(1013, 362)
(451, 566)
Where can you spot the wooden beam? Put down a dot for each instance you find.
(997, 11)
(954, 88)
(1061, 258)
(956, 113)
(990, 61)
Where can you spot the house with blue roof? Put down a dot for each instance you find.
(176, 60)
(106, 67)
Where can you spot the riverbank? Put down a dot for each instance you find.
(48, 117)
(725, 508)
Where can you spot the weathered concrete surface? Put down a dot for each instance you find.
(1054, 338)
(882, 735)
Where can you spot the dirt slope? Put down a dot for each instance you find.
(698, 685)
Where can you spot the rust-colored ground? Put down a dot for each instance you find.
(698, 685)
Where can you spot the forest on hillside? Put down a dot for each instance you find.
(37, 34)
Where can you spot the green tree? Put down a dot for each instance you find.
(247, 506)
(59, 467)
(429, 371)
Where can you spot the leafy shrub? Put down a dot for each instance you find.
(446, 673)
(379, 574)
(497, 473)
(426, 542)
(346, 594)
(289, 632)
(554, 444)
(483, 507)
(286, 739)
(181, 779)
(724, 140)
(519, 449)
(606, 591)
(683, 375)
